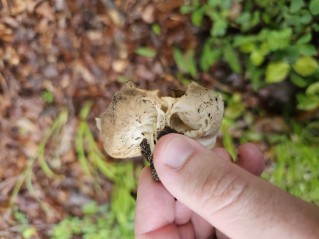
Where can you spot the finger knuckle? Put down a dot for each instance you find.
(220, 189)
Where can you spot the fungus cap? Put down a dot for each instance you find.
(133, 114)
(136, 114)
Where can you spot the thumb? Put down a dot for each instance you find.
(234, 201)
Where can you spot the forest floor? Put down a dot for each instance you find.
(60, 64)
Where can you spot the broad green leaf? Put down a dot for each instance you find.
(279, 39)
(298, 80)
(247, 47)
(296, 5)
(307, 102)
(306, 17)
(246, 44)
(314, 7)
(29, 232)
(90, 208)
(219, 28)
(226, 4)
(197, 16)
(263, 35)
(244, 20)
(231, 57)
(277, 71)
(307, 50)
(146, 52)
(235, 107)
(313, 89)
(304, 39)
(214, 3)
(240, 40)
(257, 57)
(306, 66)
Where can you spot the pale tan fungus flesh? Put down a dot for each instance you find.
(135, 114)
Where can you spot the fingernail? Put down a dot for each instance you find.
(177, 152)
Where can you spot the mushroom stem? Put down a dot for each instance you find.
(147, 152)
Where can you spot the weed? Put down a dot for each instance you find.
(267, 41)
(26, 175)
(115, 220)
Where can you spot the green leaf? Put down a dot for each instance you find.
(186, 62)
(186, 9)
(29, 232)
(296, 5)
(244, 20)
(246, 44)
(304, 39)
(311, 132)
(279, 39)
(146, 52)
(255, 74)
(197, 16)
(156, 29)
(277, 71)
(235, 107)
(313, 89)
(209, 57)
(90, 208)
(315, 27)
(257, 57)
(226, 4)
(219, 28)
(214, 3)
(231, 57)
(298, 81)
(306, 66)
(20, 217)
(48, 96)
(122, 79)
(307, 50)
(307, 102)
(306, 17)
(314, 7)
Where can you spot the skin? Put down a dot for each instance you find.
(203, 194)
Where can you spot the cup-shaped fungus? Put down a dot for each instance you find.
(137, 118)
(197, 114)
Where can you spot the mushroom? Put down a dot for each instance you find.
(137, 118)
(197, 114)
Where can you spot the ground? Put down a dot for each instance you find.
(60, 64)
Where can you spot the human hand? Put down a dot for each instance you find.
(214, 195)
